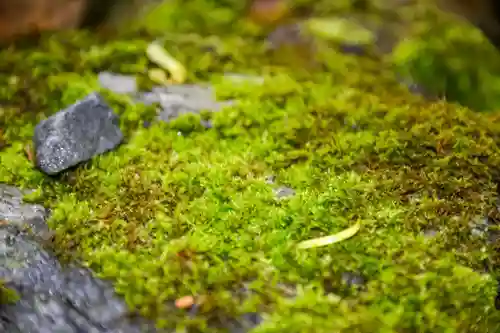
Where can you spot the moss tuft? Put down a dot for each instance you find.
(7, 295)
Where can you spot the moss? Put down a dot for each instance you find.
(451, 68)
(7, 295)
(184, 210)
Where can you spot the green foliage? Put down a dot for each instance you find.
(184, 210)
(451, 59)
(191, 16)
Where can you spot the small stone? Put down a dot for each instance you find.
(120, 84)
(480, 227)
(74, 135)
(270, 179)
(284, 192)
(181, 99)
(352, 279)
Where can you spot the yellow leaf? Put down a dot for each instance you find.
(340, 30)
(327, 240)
(157, 75)
(162, 58)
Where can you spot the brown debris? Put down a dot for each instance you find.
(30, 17)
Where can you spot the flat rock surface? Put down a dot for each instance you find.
(176, 100)
(15, 211)
(74, 135)
(118, 83)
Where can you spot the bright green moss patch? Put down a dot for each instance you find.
(7, 295)
(183, 210)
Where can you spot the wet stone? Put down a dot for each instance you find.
(24, 262)
(15, 211)
(352, 279)
(283, 192)
(74, 135)
(120, 84)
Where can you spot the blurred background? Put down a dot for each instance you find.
(431, 50)
(435, 53)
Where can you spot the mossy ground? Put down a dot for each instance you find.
(183, 210)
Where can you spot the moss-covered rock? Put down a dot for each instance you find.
(180, 209)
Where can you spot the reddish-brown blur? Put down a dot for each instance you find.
(26, 17)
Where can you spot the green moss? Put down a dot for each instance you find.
(7, 295)
(452, 59)
(183, 210)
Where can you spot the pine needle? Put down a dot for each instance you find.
(327, 240)
(157, 54)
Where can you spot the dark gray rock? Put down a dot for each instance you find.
(121, 84)
(74, 135)
(14, 210)
(24, 262)
(56, 299)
